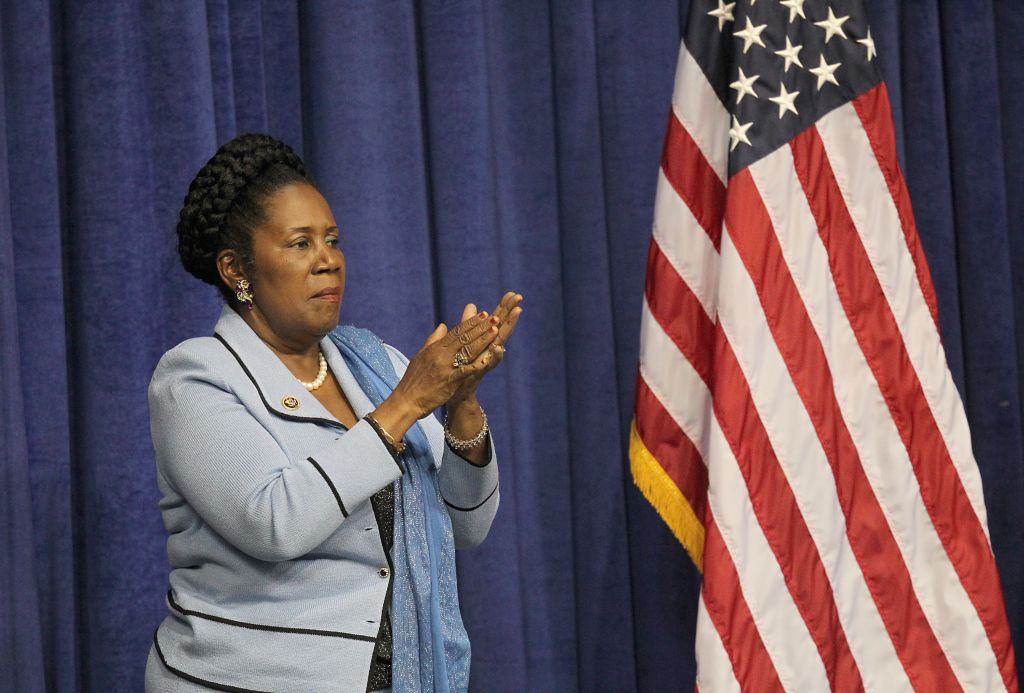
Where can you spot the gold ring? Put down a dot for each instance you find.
(460, 360)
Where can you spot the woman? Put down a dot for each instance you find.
(312, 503)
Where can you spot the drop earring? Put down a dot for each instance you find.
(243, 294)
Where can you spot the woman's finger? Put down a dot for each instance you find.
(470, 344)
(439, 332)
(467, 330)
(474, 334)
(505, 305)
(485, 363)
(499, 353)
(479, 345)
(468, 312)
(480, 365)
(509, 326)
(494, 353)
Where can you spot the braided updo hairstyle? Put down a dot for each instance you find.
(225, 201)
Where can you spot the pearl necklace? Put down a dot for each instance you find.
(321, 375)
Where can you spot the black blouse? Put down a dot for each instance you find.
(380, 667)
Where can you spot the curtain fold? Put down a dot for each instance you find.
(489, 146)
(37, 644)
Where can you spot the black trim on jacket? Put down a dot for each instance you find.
(272, 410)
(467, 510)
(490, 453)
(259, 626)
(195, 679)
(341, 506)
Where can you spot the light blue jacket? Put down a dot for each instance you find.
(278, 577)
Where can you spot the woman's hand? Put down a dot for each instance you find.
(431, 378)
(505, 316)
(465, 416)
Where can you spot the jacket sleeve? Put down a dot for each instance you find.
(236, 475)
(471, 492)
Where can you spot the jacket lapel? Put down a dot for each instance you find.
(281, 391)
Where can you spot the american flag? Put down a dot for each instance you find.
(797, 425)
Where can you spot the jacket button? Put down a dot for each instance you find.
(384, 572)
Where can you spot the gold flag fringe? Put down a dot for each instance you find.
(661, 492)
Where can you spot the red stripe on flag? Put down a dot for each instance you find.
(671, 447)
(693, 178)
(728, 610)
(876, 116)
(871, 539)
(878, 335)
(778, 513)
(678, 311)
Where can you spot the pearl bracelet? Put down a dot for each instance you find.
(456, 444)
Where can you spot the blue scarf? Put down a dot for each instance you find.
(430, 647)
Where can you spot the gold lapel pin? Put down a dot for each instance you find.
(290, 402)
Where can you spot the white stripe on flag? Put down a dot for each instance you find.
(807, 470)
(674, 382)
(685, 244)
(883, 456)
(780, 625)
(697, 106)
(874, 213)
(714, 668)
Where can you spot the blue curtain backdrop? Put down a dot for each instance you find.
(484, 146)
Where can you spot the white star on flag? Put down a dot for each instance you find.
(723, 14)
(750, 35)
(796, 7)
(785, 100)
(832, 25)
(744, 85)
(738, 133)
(790, 53)
(825, 72)
(870, 43)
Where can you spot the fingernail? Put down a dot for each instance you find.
(482, 314)
(494, 319)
